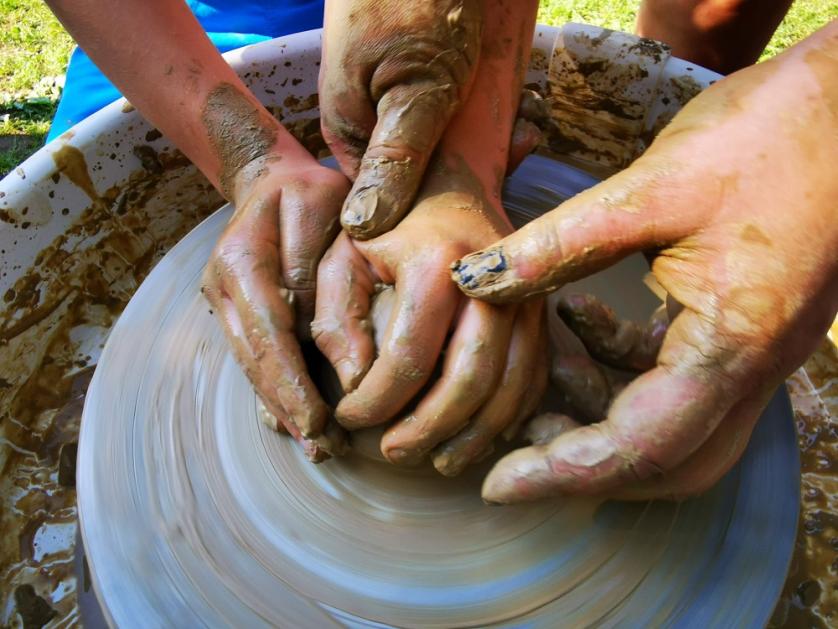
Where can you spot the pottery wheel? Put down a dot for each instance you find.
(194, 513)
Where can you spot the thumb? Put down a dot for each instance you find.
(634, 210)
(411, 119)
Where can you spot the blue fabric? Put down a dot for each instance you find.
(229, 23)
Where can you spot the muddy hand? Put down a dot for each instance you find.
(490, 361)
(392, 76)
(261, 280)
(459, 204)
(738, 194)
(582, 329)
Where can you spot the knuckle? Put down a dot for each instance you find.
(301, 277)
(327, 336)
(337, 128)
(211, 286)
(637, 457)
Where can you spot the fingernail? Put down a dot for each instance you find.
(369, 212)
(360, 207)
(447, 464)
(314, 452)
(480, 270)
(402, 456)
(495, 490)
(349, 375)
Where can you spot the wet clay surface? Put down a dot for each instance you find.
(238, 131)
(77, 287)
(810, 597)
(55, 318)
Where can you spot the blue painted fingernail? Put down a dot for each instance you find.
(480, 269)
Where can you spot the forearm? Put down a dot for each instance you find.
(480, 133)
(157, 54)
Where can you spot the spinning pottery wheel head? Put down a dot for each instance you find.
(193, 512)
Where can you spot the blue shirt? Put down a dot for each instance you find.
(229, 23)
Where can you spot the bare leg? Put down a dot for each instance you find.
(722, 35)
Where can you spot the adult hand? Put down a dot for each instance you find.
(393, 75)
(260, 280)
(738, 193)
(494, 369)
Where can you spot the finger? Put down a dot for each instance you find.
(411, 119)
(619, 343)
(265, 416)
(246, 268)
(347, 115)
(331, 442)
(303, 242)
(533, 107)
(535, 392)
(526, 136)
(544, 428)
(425, 304)
(709, 463)
(474, 363)
(451, 457)
(270, 411)
(381, 311)
(481, 456)
(346, 140)
(581, 382)
(658, 421)
(341, 325)
(629, 212)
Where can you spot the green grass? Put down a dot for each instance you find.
(614, 14)
(34, 49)
(803, 19)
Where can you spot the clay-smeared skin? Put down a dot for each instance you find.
(264, 267)
(546, 427)
(573, 372)
(238, 130)
(582, 328)
(621, 344)
(739, 193)
(415, 258)
(459, 204)
(393, 75)
(524, 361)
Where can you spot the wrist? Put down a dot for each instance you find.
(245, 137)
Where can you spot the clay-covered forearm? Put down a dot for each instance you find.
(157, 54)
(480, 133)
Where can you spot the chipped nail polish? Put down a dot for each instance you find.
(480, 269)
